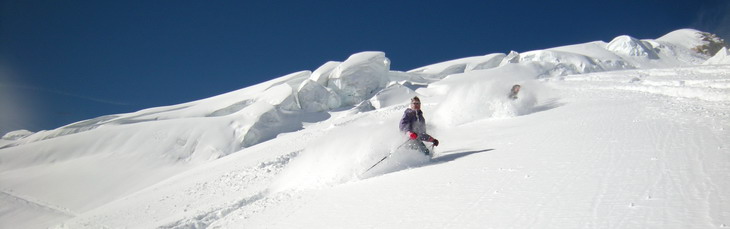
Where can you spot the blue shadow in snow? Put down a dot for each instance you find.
(453, 156)
(382, 170)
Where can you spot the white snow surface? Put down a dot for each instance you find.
(721, 57)
(626, 134)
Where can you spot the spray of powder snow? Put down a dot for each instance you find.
(343, 155)
(486, 99)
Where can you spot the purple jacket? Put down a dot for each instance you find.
(413, 121)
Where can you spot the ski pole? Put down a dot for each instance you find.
(386, 156)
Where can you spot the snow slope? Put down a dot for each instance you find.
(721, 57)
(626, 134)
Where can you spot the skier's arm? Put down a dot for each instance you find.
(428, 138)
(425, 137)
(405, 122)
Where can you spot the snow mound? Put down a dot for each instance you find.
(629, 46)
(702, 43)
(685, 38)
(721, 57)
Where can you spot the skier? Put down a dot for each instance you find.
(414, 125)
(513, 92)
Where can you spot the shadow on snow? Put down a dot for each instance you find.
(446, 157)
(395, 166)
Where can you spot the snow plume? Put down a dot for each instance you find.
(483, 94)
(340, 156)
(486, 99)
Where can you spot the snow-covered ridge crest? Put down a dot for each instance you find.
(678, 48)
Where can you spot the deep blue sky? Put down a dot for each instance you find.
(66, 61)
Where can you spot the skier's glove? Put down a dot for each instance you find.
(412, 135)
(435, 142)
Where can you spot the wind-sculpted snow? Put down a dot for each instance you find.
(15, 135)
(392, 95)
(443, 69)
(280, 96)
(360, 77)
(314, 97)
(269, 124)
(233, 108)
(322, 74)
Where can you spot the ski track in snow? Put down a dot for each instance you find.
(690, 98)
(246, 180)
(259, 199)
(250, 184)
(36, 203)
(686, 84)
(16, 208)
